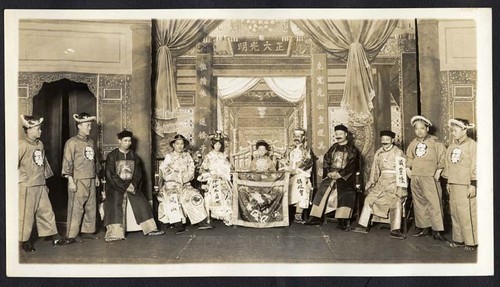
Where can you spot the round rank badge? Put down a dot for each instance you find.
(421, 149)
(89, 153)
(38, 157)
(261, 165)
(196, 200)
(456, 155)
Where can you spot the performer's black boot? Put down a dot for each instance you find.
(397, 234)
(312, 220)
(204, 225)
(344, 224)
(423, 232)
(57, 240)
(180, 228)
(438, 235)
(27, 246)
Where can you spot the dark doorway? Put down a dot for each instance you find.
(56, 103)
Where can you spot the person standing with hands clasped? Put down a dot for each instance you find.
(460, 170)
(81, 167)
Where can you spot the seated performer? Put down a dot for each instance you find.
(340, 164)
(262, 162)
(461, 171)
(177, 198)
(34, 202)
(298, 162)
(124, 186)
(216, 172)
(385, 196)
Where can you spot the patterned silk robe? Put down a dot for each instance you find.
(216, 172)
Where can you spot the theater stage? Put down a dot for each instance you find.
(295, 244)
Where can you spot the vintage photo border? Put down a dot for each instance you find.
(485, 254)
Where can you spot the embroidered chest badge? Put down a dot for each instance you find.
(196, 200)
(89, 153)
(38, 157)
(421, 149)
(261, 164)
(296, 155)
(456, 155)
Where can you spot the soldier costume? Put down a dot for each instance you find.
(80, 166)
(425, 163)
(34, 203)
(460, 170)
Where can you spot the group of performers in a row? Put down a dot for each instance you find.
(425, 162)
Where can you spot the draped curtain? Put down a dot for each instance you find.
(291, 89)
(357, 42)
(174, 38)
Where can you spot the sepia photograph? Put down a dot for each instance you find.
(277, 142)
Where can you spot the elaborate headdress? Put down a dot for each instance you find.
(218, 136)
(31, 121)
(463, 123)
(83, 118)
(423, 119)
(261, 143)
(299, 134)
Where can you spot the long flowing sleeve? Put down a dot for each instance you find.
(327, 161)
(112, 178)
(375, 170)
(188, 175)
(137, 176)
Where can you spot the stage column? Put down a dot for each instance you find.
(429, 71)
(382, 102)
(203, 123)
(319, 110)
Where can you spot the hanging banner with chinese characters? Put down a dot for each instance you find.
(267, 47)
(401, 179)
(319, 108)
(202, 115)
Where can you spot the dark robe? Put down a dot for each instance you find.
(343, 159)
(129, 167)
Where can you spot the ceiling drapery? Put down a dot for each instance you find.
(358, 42)
(174, 38)
(292, 89)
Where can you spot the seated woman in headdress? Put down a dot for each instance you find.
(216, 172)
(177, 198)
(261, 161)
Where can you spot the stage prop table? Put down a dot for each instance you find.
(260, 200)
